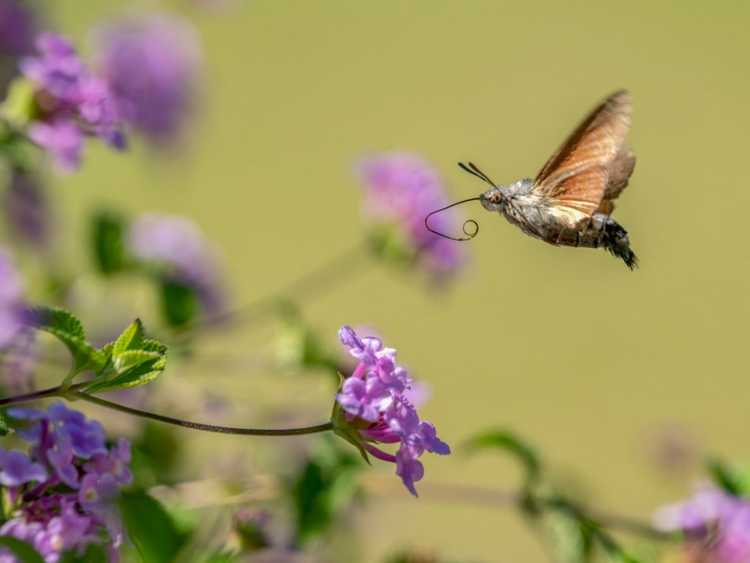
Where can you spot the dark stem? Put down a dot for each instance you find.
(28, 397)
(325, 427)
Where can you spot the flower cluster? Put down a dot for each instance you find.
(400, 190)
(376, 402)
(177, 244)
(72, 102)
(62, 493)
(152, 66)
(716, 525)
(27, 213)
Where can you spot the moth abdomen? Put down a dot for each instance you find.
(615, 239)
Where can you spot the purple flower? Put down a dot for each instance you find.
(27, 213)
(61, 436)
(16, 469)
(375, 400)
(177, 244)
(11, 301)
(72, 102)
(400, 190)
(63, 139)
(152, 65)
(66, 488)
(716, 525)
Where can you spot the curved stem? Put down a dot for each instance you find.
(28, 397)
(325, 427)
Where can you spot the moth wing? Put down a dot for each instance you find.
(577, 175)
(620, 171)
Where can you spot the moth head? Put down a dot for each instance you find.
(492, 199)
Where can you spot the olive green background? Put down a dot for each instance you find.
(585, 358)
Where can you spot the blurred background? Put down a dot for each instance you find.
(608, 372)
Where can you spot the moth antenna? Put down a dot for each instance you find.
(474, 170)
(470, 234)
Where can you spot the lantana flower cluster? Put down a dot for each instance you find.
(62, 492)
(716, 526)
(71, 102)
(178, 245)
(400, 190)
(375, 400)
(11, 301)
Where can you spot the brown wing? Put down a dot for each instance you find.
(577, 175)
(620, 171)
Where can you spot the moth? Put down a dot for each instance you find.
(570, 202)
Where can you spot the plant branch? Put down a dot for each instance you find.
(325, 427)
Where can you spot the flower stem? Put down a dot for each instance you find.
(325, 427)
(28, 397)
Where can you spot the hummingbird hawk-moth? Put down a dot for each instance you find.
(571, 200)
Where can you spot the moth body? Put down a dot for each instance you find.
(559, 226)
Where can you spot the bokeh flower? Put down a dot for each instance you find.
(12, 306)
(72, 102)
(27, 212)
(716, 526)
(374, 399)
(177, 245)
(152, 64)
(17, 30)
(66, 487)
(400, 190)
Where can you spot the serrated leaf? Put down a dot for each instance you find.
(135, 360)
(23, 551)
(130, 339)
(134, 376)
(64, 326)
(125, 361)
(510, 442)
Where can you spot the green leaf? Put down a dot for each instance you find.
(179, 303)
(108, 242)
(726, 478)
(94, 554)
(324, 487)
(344, 429)
(68, 329)
(508, 441)
(19, 106)
(22, 550)
(4, 427)
(150, 527)
(130, 339)
(134, 360)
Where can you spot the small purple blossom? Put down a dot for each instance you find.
(16, 469)
(400, 190)
(178, 245)
(716, 525)
(152, 65)
(11, 301)
(27, 212)
(66, 486)
(375, 401)
(72, 102)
